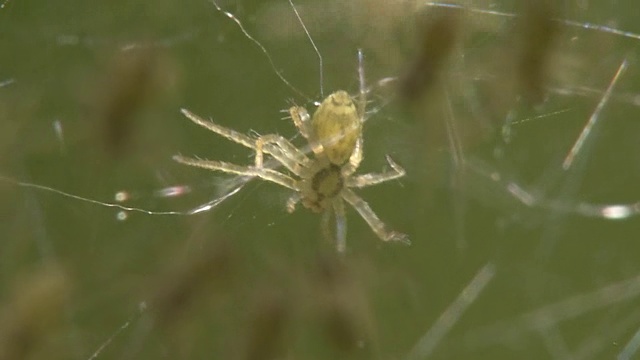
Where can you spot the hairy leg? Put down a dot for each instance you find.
(341, 225)
(282, 150)
(302, 121)
(372, 219)
(377, 178)
(263, 173)
(230, 134)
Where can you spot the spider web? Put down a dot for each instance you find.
(521, 247)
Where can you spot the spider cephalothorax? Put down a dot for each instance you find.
(325, 184)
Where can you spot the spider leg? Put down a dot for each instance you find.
(341, 225)
(361, 181)
(356, 156)
(325, 224)
(230, 134)
(302, 121)
(336, 209)
(355, 159)
(372, 219)
(281, 149)
(362, 99)
(282, 154)
(292, 201)
(263, 173)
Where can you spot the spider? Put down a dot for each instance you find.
(323, 182)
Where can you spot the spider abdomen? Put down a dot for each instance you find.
(337, 126)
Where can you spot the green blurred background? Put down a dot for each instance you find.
(89, 105)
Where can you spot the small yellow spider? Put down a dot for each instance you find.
(321, 183)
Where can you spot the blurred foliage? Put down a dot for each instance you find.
(90, 94)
